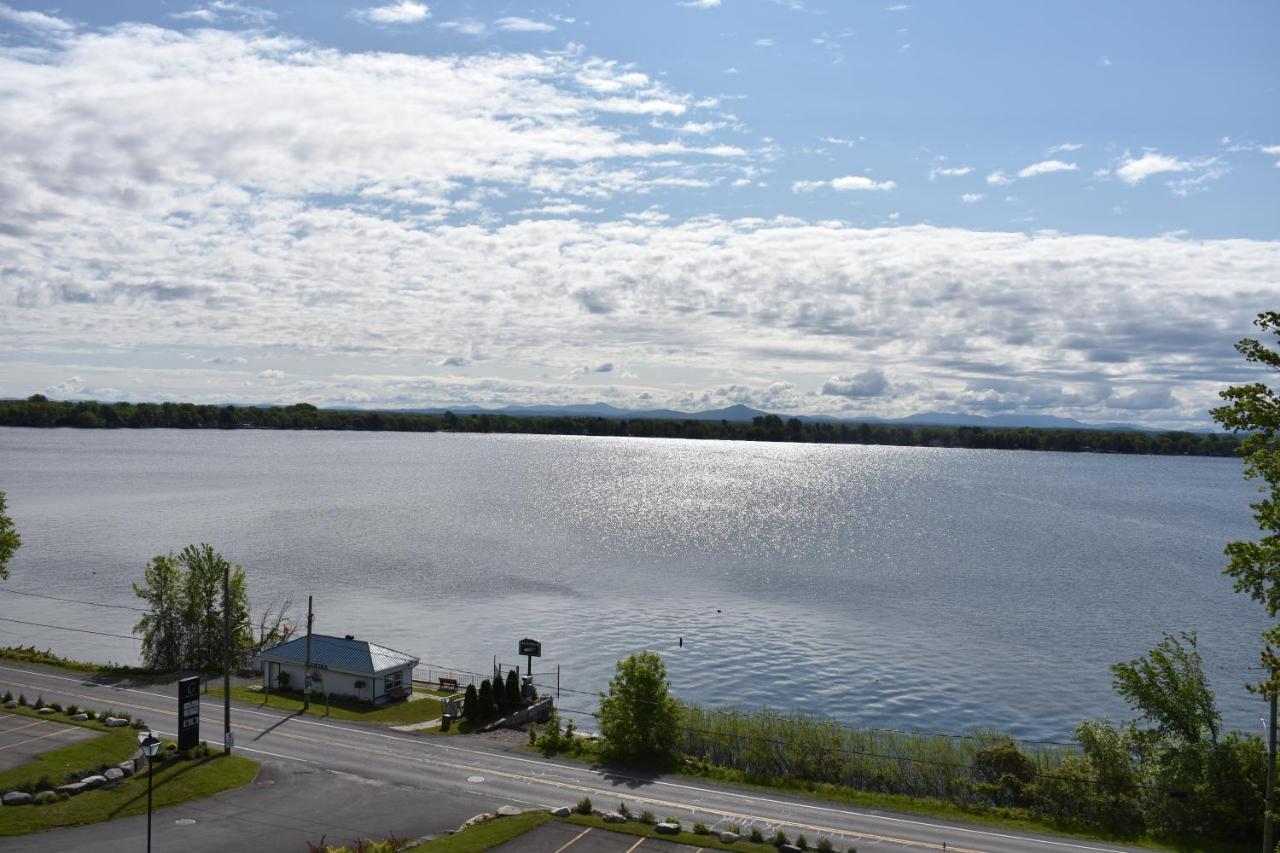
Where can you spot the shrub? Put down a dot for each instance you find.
(757, 836)
(852, 850)
(584, 806)
(513, 689)
(623, 810)
(39, 702)
(700, 829)
(780, 838)
(8, 696)
(802, 842)
(56, 706)
(72, 710)
(825, 845)
(283, 679)
(671, 819)
(22, 699)
(484, 700)
(646, 816)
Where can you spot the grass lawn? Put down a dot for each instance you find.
(110, 747)
(175, 782)
(397, 714)
(483, 836)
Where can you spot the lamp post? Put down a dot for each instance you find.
(150, 746)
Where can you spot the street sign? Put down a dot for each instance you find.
(189, 712)
(530, 648)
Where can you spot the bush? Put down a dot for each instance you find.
(8, 696)
(638, 716)
(700, 829)
(647, 816)
(623, 810)
(583, 806)
(825, 845)
(471, 704)
(499, 698)
(22, 699)
(671, 819)
(802, 842)
(282, 679)
(1002, 773)
(780, 838)
(72, 710)
(513, 690)
(757, 837)
(39, 702)
(485, 700)
(56, 706)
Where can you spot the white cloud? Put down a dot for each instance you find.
(971, 198)
(807, 186)
(404, 12)
(999, 179)
(523, 25)
(859, 183)
(866, 383)
(1271, 149)
(1045, 167)
(701, 4)
(765, 42)
(1104, 62)
(38, 21)
(949, 172)
(1135, 170)
(1065, 146)
(466, 26)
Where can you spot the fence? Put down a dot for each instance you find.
(429, 674)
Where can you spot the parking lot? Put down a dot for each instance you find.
(556, 837)
(22, 738)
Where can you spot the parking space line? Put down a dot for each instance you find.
(571, 841)
(637, 844)
(20, 728)
(38, 737)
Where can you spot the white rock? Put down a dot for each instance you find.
(72, 789)
(509, 811)
(614, 817)
(115, 722)
(43, 797)
(16, 798)
(111, 774)
(126, 767)
(667, 828)
(94, 781)
(80, 716)
(561, 811)
(45, 711)
(729, 837)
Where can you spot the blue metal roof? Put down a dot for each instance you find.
(340, 653)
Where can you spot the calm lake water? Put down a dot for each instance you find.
(900, 587)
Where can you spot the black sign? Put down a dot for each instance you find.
(531, 648)
(189, 712)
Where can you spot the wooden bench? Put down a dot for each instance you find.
(450, 683)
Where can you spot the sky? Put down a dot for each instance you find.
(806, 206)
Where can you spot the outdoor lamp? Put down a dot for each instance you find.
(150, 746)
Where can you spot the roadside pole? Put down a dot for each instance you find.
(306, 670)
(226, 657)
(1268, 820)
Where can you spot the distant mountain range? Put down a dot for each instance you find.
(740, 413)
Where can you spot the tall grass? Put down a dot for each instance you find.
(765, 745)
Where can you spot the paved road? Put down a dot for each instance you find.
(437, 778)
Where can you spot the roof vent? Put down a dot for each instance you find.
(349, 637)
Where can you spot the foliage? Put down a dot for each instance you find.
(1255, 410)
(1002, 773)
(1171, 691)
(484, 699)
(583, 806)
(390, 844)
(638, 717)
(470, 704)
(88, 414)
(701, 828)
(10, 541)
(513, 690)
(340, 707)
(184, 628)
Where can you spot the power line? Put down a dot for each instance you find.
(65, 628)
(75, 600)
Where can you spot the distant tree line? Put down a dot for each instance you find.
(38, 411)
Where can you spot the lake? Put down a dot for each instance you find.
(900, 587)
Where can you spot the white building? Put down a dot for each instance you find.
(342, 666)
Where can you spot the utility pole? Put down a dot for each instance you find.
(1268, 825)
(226, 657)
(306, 670)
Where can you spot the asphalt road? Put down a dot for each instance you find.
(431, 783)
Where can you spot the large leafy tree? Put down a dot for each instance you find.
(638, 716)
(1255, 410)
(183, 628)
(9, 540)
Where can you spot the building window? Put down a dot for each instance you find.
(394, 681)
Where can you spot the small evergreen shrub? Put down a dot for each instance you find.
(8, 696)
(757, 837)
(825, 845)
(646, 816)
(802, 842)
(780, 838)
(72, 710)
(22, 699)
(623, 810)
(56, 706)
(700, 828)
(39, 702)
(584, 806)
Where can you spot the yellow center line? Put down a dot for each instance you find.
(575, 838)
(564, 785)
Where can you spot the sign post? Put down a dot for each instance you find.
(530, 649)
(188, 712)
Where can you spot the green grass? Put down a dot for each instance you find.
(397, 714)
(110, 747)
(175, 782)
(485, 835)
(710, 842)
(30, 654)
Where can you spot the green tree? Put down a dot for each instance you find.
(470, 704)
(513, 689)
(184, 627)
(10, 541)
(485, 700)
(638, 716)
(1169, 688)
(1255, 410)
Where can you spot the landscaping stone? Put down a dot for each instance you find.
(113, 774)
(126, 767)
(614, 817)
(730, 837)
(80, 716)
(16, 798)
(667, 828)
(509, 811)
(94, 781)
(115, 722)
(43, 797)
(12, 703)
(561, 811)
(789, 848)
(45, 711)
(72, 789)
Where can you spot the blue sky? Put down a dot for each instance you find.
(847, 208)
